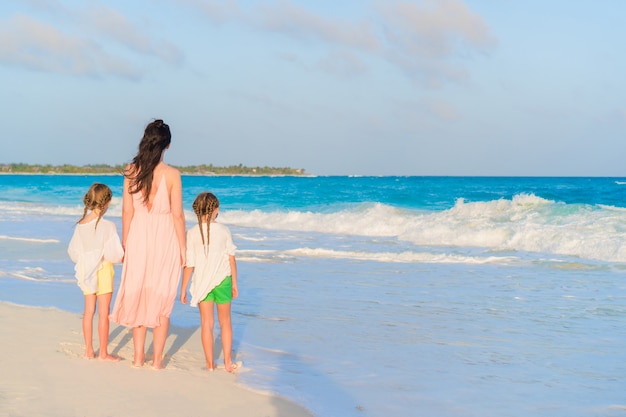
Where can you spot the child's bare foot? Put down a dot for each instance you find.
(231, 367)
(210, 366)
(89, 355)
(109, 358)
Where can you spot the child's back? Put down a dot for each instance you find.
(212, 262)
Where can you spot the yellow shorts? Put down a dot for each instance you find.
(105, 279)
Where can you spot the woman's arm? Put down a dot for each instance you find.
(187, 271)
(176, 203)
(128, 210)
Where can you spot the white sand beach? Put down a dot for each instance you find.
(43, 373)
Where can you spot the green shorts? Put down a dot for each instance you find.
(223, 293)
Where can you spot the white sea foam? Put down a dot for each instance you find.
(36, 274)
(384, 257)
(11, 208)
(39, 209)
(24, 239)
(525, 223)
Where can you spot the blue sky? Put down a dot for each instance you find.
(350, 87)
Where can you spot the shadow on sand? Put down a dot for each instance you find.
(121, 342)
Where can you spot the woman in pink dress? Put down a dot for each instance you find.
(153, 236)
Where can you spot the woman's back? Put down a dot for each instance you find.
(152, 263)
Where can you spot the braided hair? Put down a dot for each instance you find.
(204, 206)
(97, 197)
(156, 138)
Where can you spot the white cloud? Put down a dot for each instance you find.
(33, 44)
(424, 39)
(432, 28)
(80, 41)
(291, 19)
(116, 26)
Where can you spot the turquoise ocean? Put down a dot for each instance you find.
(380, 296)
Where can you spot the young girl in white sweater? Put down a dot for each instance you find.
(94, 247)
(211, 260)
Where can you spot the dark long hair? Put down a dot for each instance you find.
(156, 138)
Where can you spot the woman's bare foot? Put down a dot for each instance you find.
(157, 364)
(89, 354)
(139, 361)
(138, 364)
(109, 358)
(210, 366)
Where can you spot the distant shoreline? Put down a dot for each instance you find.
(61, 173)
(184, 174)
(104, 169)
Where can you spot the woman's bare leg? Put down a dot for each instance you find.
(226, 329)
(88, 313)
(160, 335)
(207, 322)
(104, 307)
(139, 342)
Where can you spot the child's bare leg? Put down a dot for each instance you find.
(160, 335)
(104, 307)
(226, 329)
(90, 309)
(207, 321)
(139, 342)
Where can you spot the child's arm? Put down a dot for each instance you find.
(187, 271)
(233, 274)
(113, 251)
(74, 248)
